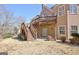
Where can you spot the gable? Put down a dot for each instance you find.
(45, 11)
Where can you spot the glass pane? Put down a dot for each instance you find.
(73, 8)
(74, 29)
(62, 30)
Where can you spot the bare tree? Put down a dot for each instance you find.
(9, 23)
(6, 20)
(20, 20)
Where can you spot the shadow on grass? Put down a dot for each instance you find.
(68, 43)
(18, 38)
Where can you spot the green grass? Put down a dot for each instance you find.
(7, 35)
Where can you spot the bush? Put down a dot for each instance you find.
(22, 37)
(7, 35)
(63, 38)
(72, 41)
(75, 35)
(75, 38)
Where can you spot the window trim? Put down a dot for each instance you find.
(73, 30)
(70, 9)
(61, 10)
(64, 29)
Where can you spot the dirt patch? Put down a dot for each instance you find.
(16, 47)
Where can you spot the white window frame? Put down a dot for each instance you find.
(73, 30)
(72, 9)
(61, 11)
(62, 30)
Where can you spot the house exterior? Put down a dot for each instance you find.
(61, 20)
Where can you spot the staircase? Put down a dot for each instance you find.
(29, 35)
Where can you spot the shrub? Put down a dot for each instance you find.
(22, 37)
(72, 41)
(7, 35)
(75, 35)
(75, 38)
(63, 38)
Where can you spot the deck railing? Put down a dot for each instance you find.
(46, 18)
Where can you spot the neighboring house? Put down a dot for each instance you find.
(58, 21)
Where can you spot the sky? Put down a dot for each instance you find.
(28, 11)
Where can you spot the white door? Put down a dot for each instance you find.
(44, 32)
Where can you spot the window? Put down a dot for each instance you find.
(73, 8)
(62, 30)
(61, 10)
(74, 29)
